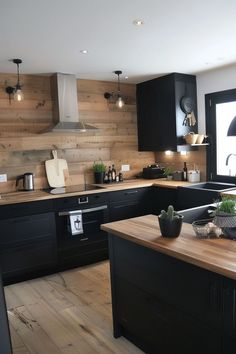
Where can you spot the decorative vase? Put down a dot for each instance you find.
(170, 228)
(99, 177)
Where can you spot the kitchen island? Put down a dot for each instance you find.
(173, 296)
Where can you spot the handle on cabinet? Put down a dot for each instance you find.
(131, 192)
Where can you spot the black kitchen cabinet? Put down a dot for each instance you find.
(28, 245)
(162, 197)
(160, 118)
(130, 203)
(189, 197)
(169, 306)
(5, 339)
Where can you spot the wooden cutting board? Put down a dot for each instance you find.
(56, 170)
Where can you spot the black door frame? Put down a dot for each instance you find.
(211, 100)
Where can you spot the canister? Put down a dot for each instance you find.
(194, 176)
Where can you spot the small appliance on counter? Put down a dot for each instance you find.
(153, 171)
(27, 183)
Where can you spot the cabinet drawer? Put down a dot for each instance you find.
(21, 209)
(27, 228)
(128, 194)
(27, 258)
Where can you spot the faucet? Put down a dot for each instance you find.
(227, 158)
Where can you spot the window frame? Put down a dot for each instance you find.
(211, 100)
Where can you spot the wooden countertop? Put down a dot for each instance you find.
(216, 255)
(37, 195)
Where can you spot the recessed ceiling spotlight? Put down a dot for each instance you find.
(138, 22)
(84, 51)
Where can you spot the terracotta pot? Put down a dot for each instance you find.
(170, 228)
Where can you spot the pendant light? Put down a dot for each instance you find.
(17, 90)
(119, 99)
(119, 102)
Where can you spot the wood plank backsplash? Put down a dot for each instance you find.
(24, 149)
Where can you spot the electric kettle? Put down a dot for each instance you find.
(27, 181)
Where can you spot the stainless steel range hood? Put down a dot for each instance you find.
(65, 105)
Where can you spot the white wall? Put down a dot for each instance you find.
(213, 81)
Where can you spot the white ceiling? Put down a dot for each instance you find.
(177, 36)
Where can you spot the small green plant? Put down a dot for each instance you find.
(168, 171)
(170, 214)
(227, 206)
(99, 166)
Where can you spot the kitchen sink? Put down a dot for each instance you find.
(198, 213)
(201, 193)
(213, 186)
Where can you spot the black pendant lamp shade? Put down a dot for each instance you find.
(17, 90)
(232, 128)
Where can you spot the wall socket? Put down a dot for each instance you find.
(3, 177)
(125, 168)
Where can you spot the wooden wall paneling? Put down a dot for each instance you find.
(23, 149)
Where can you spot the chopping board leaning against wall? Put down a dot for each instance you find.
(56, 170)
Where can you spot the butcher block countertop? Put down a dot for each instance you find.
(216, 255)
(37, 195)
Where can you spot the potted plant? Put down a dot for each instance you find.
(170, 222)
(225, 217)
(99, 170)
(168, 172)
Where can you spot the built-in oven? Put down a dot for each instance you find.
(78, 220)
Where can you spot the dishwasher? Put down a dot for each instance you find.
(80, 239)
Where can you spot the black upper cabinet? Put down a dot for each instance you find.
(160, 117)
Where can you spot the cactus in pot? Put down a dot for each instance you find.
(170, 222)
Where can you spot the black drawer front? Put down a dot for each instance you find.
(80, 202)
(23, 229)
(21, 209)
(27, 258)
(128, 194)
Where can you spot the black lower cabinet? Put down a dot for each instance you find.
(28, 246)
(5, 339)
(161, 197)
(160, 327)
(164, 305)
(130, 203)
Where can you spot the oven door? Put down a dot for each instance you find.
(80, 238)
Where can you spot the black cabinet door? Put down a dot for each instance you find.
(228, 345)
(5, 340)
(27, 243)
(162, 198)
(229, 308)
(159, 327)
(160, 118)
(190, 289)
(130, 203)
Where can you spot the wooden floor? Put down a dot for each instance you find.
(68, 312)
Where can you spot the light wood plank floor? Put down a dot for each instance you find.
(68, 312)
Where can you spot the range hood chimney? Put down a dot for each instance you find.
(65, 105)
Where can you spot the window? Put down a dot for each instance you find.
(221, 156)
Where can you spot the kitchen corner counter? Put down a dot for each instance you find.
(216, 255)
(37, 195)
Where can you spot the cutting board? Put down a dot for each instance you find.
(56, 170)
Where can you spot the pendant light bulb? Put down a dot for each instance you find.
(120, 102)
(18, 94)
